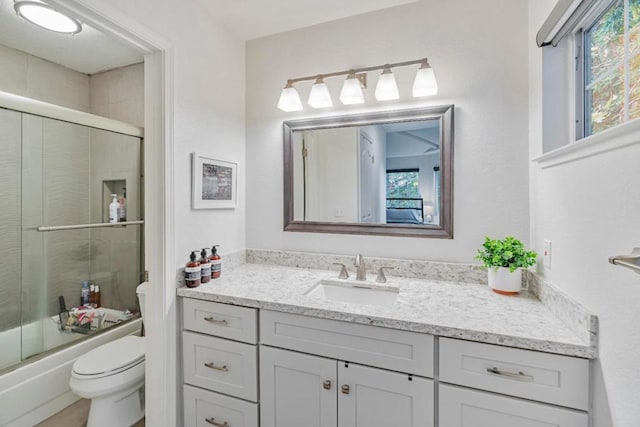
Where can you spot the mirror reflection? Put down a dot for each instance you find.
(375, 174)
(387, 173)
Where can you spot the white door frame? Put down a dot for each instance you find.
(160, 314)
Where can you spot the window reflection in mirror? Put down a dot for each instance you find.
(378, 173)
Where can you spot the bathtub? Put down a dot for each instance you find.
(38, 389)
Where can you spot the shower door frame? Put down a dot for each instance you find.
(160, 314)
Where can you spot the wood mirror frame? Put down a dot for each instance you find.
(444, 230)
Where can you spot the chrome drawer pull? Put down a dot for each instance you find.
(216, 423)
(326, 384)
(216, 321)
(345, 389)
(519, 376)
(222, 368)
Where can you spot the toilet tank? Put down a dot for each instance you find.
(141, 291)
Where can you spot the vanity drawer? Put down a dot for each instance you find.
(551, 378)
(461, 407)
(222, 320)
(207, 409)
(393, 349)
(221, 365)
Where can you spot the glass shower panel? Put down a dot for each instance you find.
(10, 223)
(69, 172)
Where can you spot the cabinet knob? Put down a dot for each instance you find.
(345, 389)
(217, 423)
(326, 384)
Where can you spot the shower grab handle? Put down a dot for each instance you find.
(43, 228)
(631, 261)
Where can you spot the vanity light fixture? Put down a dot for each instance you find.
(386, 89)
(425, 83)
(352, 89)
(44, 16)
(289, 99)
(320, 96)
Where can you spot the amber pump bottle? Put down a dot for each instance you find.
(216, 262)
(192, 272)
(205, 267)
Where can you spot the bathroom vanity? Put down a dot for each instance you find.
(259, 350)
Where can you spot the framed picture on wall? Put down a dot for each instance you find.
(214, 183)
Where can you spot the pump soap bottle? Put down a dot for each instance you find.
(113, 209)
(216, 263)
(192, 272)
(205, 267)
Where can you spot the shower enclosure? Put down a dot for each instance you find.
(56, 181)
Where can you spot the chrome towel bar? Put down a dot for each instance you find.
(82, 226)
(631, 261)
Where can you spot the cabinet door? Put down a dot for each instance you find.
(296, 389)
(461, 407)
(370, 397)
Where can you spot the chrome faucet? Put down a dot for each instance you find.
(361, 271)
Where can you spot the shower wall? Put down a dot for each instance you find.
(10, 219)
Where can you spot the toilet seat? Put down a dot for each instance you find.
(110, 359)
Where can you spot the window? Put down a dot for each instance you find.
(403, 184)
(609, 88)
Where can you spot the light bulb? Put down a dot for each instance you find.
(352, 91)
(425, 83)
(45, 16)
(289, 99)
(320, 96)
(386, 89)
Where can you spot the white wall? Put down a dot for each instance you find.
(482, 69)
(589, 209)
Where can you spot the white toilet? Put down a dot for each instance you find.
(112, 376)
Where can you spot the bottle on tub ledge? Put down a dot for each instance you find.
(216, 262)
(192, 272)
(205, 267)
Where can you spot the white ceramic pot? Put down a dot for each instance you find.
(504, 282)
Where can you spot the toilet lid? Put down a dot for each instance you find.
(112, 357)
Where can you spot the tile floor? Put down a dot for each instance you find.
(74, 416)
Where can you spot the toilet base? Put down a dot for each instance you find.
(119, 409)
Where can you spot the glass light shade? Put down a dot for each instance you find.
(386, 89)
(320, 96)
(425, 83)
(289, 99)
(44, 16)
(351, 91)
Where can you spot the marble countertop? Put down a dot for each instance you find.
(466, 311)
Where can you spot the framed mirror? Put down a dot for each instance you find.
(384, 173)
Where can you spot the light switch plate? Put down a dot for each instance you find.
(546, 255)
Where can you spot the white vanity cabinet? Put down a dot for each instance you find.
(308, 390)
(220, 365)
(245, 367)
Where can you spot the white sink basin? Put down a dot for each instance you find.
(354, 293)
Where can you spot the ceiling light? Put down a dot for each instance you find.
(289, 99)
(386, 89)
(425, 83)
(319, 96)
(46, 17)
(352, 90)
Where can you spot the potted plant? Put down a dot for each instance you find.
(505, 260)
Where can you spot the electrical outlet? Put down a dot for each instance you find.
(547, 254)
(338, 212)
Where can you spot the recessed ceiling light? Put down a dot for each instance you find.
(46, 17)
